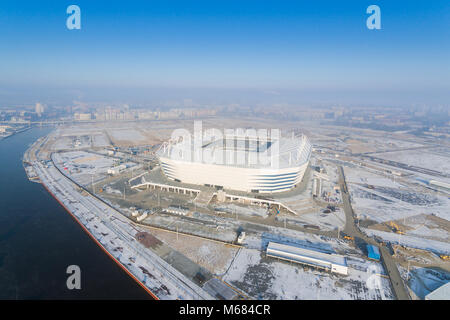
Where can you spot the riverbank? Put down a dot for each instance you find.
(39, 240)
(112, 232)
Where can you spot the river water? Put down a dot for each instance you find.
(39, 240)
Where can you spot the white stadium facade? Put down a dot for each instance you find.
(246, 163)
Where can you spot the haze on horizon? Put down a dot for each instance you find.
(226, 52)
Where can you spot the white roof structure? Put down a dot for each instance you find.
(440, 184)
(332, 262)
(242, 151)
(441, 293)
(238, 162)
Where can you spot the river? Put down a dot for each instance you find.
(39, 240)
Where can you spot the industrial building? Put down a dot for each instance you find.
(330, 262)
(373, 252)
(440, 185)
(242, 163)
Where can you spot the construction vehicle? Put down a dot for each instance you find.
(445, 257)
(347, 237)
(394, 227)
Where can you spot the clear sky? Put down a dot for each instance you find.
(317, 46)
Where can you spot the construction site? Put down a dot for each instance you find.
(192, 241)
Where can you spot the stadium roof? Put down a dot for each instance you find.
(288, 152)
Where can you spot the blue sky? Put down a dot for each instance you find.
(268, 45)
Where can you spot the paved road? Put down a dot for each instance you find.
(352, 230)
(394, 275)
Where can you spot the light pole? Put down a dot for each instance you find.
(407, 275)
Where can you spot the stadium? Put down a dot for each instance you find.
(237, 162)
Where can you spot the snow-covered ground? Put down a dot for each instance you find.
(126, 135)
(249, 210)
(429, 227)
(411, 241)
(67, 143)
(421, 158)
(100, 140)
(267, 278)
(214, 256)
(387, 199)
(209, 230)
(86, 167)
(325, 221)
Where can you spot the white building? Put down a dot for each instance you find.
(331, 262)
(440, 185)
(116, 170)
(83, 116)
(250, 164)
(39, 109)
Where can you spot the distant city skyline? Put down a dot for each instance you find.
(235, 51)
